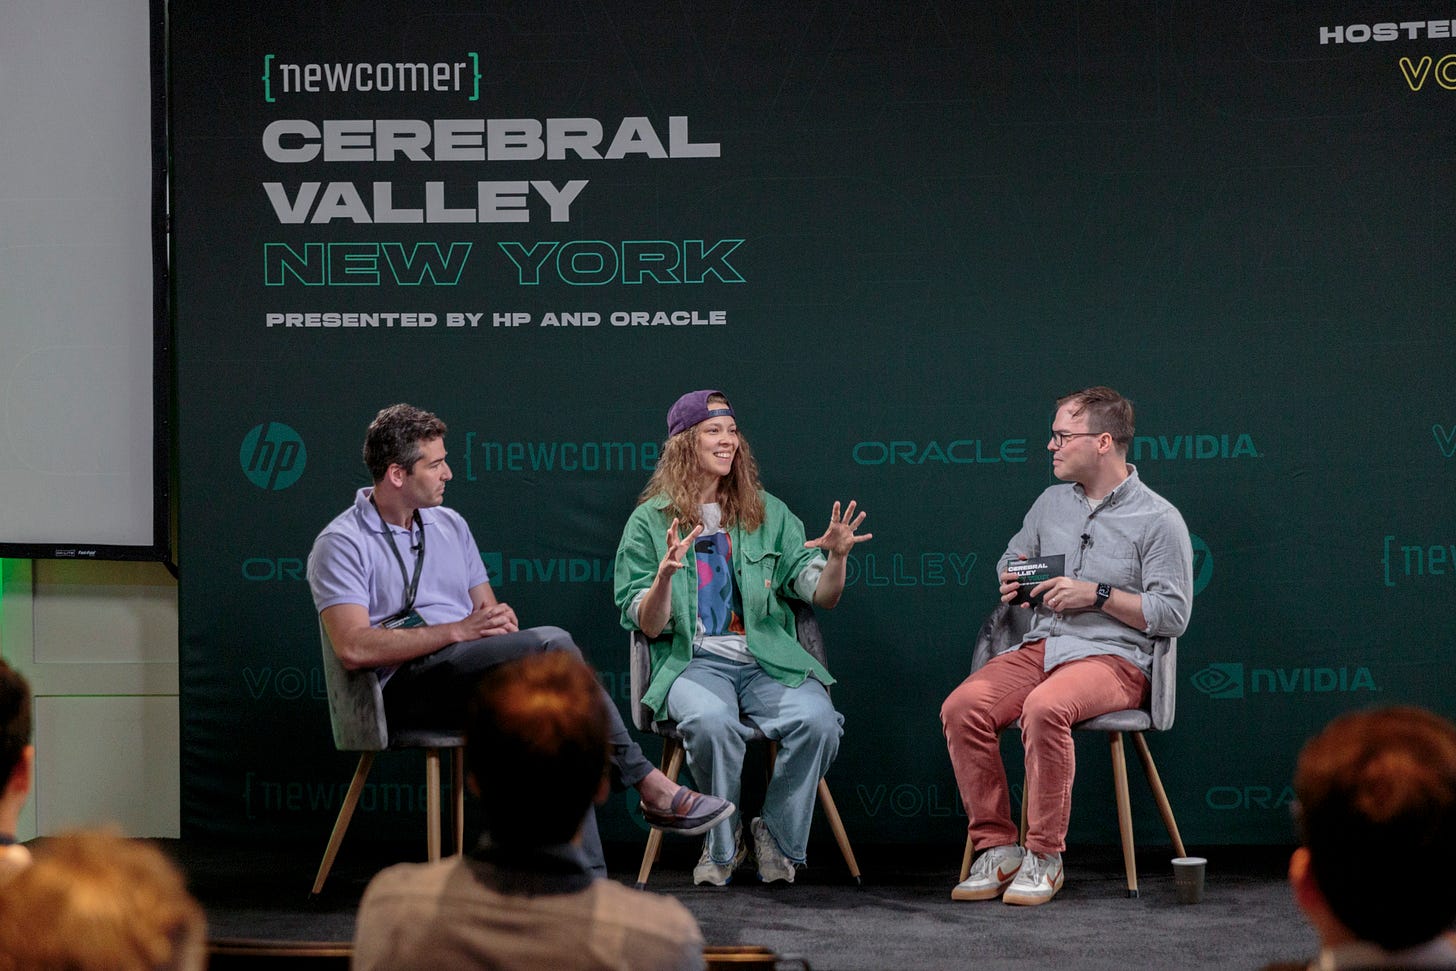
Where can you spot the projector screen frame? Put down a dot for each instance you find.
(160, 548)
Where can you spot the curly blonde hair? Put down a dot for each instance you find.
(679, 479)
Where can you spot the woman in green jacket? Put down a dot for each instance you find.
(704, 569)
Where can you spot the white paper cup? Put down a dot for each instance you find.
(1188, 878)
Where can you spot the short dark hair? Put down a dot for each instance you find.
(15, 719)
(537, 725)
(1372, 785)
(1106, 410)
(395, 435)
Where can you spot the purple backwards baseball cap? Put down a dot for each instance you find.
(692, 408)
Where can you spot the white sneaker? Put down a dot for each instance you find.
(1039, 880)
(992, 873)
(772, 864)
(720, 874)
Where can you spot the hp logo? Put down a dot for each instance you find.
(272, 456)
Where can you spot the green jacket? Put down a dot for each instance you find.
(765, 563)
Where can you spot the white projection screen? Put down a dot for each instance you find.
(84, 366)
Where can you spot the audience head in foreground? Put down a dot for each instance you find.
(1376, 816)
(16, 757)
(537, 752)
(542, 723)
(95, 901)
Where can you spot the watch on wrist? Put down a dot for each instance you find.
(1104, 590)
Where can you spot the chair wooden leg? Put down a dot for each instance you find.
(674, 763)
(432, 804)
(1021, 833)
(458, 781)
(966, 858)
(1155, 783)
(341, 824)
(831, 811)
(1124, 810)
(672, 760)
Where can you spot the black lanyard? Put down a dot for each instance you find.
(411, 584)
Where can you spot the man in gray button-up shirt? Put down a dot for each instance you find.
(1128, 580)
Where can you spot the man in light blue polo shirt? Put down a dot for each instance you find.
(400, 587)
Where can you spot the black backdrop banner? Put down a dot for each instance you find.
(893, 234)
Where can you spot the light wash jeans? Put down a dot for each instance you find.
(706, 700)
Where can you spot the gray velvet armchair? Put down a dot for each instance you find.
(356, 711)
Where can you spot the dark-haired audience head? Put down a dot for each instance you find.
(396, 436)
(95, 901)
(1376, 795)
(540, 722)
(16, 751)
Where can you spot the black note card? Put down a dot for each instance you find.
(1033, 571)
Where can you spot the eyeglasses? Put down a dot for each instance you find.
(1059, 439)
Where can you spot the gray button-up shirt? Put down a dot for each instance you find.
(1136, 541)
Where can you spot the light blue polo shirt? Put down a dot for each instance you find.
(351, 563)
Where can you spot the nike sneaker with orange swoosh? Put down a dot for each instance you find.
(992, 873)
(1039, 880)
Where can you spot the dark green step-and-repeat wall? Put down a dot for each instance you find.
(893, 234)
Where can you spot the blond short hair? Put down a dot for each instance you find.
(96, 901)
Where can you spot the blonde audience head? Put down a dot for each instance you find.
(96, 901)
